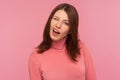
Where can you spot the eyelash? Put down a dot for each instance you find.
(66, 23)
(55, 18)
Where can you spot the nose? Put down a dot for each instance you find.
(59, 24)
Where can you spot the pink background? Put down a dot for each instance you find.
(22, 23)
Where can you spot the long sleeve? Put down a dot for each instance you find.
(90, 72)
(34, 67)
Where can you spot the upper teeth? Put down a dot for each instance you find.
(55, 30)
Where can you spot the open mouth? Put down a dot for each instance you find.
(55, 31)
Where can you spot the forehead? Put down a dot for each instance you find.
(61, 14)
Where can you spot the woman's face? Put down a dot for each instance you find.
(59, 26)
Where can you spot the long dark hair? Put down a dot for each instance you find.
(72, 44)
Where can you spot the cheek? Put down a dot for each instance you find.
(65, 31)
(52, 23)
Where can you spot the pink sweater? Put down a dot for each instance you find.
(55, 64)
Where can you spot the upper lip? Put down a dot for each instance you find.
(54, 29)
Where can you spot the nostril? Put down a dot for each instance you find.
(57, 26)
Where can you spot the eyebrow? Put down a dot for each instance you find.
(58, 17)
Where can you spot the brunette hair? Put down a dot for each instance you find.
(72, 45)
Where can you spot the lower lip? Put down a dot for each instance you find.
(54, 34)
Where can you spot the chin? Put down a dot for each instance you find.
(54, 38)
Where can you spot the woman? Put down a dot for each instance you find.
(61, 55)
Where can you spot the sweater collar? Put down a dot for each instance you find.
(60, 44)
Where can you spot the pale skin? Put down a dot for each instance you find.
(59, 26)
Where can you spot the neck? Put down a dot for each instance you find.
(59, 45)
